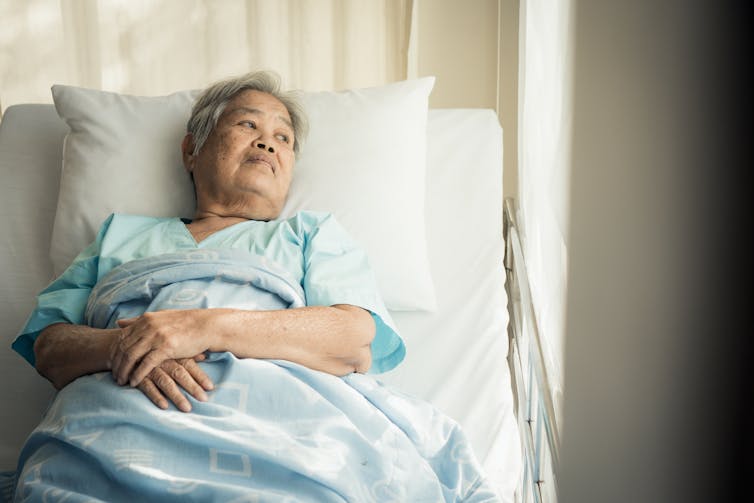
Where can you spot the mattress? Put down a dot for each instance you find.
(456, 356)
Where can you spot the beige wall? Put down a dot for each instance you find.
(459, 44)
(508, 91)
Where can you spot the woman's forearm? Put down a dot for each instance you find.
(65, 352)
(331, 339)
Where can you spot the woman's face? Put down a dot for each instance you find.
(245, 167)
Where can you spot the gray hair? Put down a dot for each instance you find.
(211, 103)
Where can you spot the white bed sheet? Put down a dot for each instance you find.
(456, 356)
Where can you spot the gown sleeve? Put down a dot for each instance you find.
(64, 300)
(337, 271)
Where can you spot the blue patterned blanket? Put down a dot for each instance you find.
(272, 430)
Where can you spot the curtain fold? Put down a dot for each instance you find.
(153, 47)
(545, 75)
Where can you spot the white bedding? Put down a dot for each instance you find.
(456, 356)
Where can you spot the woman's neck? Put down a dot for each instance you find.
(204, 225)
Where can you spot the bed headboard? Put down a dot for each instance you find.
(32, 149)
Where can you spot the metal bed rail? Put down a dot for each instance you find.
(534, 405)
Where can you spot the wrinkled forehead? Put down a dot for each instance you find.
(257, 103)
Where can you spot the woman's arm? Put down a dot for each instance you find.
(65, 352)
(333, 339)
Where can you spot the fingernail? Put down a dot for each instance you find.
(203, 397)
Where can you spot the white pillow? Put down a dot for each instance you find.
(364, 161)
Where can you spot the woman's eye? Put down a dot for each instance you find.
(283, 138)
(249, 124)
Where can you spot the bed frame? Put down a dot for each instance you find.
(533, 402)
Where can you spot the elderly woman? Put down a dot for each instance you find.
(278, 318)
(242, 140)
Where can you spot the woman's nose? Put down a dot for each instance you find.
(268, 148)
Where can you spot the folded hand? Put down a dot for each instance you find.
(152, 338)
(165, 381)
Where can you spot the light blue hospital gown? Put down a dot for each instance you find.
(311, 246)
(271, 430)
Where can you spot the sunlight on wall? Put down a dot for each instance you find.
(544, 169)
(30, 40)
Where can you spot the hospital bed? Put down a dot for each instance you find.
(457, 350)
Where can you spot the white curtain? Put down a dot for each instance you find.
(153, 47)
(544, 167)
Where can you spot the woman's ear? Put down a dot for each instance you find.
(187, 150)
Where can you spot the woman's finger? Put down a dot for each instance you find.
(116, 357)
(183, 377)
(170, 389)
(124, 322)
(150, 361)
(125, 353)
(197, 374)
(148, 388)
